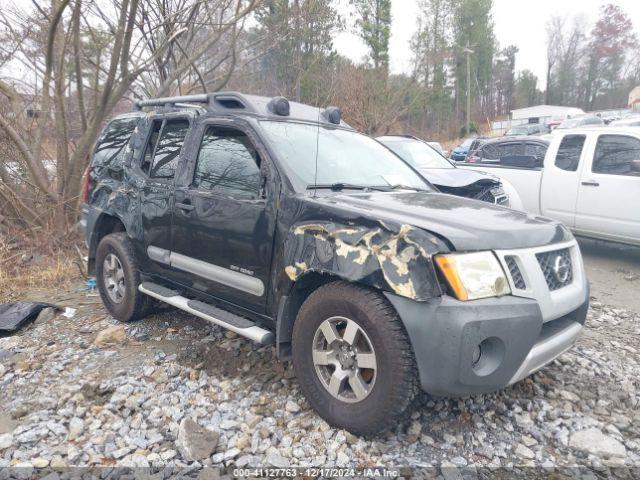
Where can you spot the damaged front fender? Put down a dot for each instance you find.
(397, 259)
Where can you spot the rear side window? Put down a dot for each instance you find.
(537, 151)
(511, 149)
(167, 150)
(617, 155)
(490, 152)
(228, 163)
(110, 150)
(569, 152)
(156, 126)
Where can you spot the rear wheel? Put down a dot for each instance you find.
(352, 358)
(118, 277)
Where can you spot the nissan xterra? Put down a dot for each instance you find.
(279, 222)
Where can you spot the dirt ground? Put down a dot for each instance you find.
(613, 271)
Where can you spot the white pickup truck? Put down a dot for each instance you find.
(590, 181)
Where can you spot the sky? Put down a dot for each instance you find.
(516, 22)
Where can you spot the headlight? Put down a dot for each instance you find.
(473, 275)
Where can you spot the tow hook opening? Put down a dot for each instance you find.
(487, 356)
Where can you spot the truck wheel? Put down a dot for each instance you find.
(118, 278)
(353, 359)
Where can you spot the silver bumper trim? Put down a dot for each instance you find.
(547, 350)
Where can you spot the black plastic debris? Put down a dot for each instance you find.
(14, 315)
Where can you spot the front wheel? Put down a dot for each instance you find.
(118, 278)
(353, 359)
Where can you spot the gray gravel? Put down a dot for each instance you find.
(177, 393)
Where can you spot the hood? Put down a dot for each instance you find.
(457, 177)
(467, 224)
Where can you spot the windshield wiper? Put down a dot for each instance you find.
(399, 186)
(337, 186)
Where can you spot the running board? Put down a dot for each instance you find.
(235, 323)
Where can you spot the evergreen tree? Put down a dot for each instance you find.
(374, 27)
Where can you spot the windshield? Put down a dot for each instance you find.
(570, 123)
(417, 153)
(343, 156)
(517, 131)
(467, 143)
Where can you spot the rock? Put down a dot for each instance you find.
(342, 459)
(570, 396)
(253, 421)
(292, 407)
(351, 438)
(243, 442)
(426, 439)
(45, 316)
(168, 455)
(595, 442)
(413, 432)
(7, 424)
(111, 335)
(524, 452)
(76, 425)
(40, 462)
(231, 453)
(209, 474)
(276, 460)
(6, 440)
(195, 442)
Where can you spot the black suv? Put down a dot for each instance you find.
(279, 222)
(523, 152)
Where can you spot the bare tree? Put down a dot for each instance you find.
(81, 58)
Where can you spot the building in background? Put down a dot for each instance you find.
(545, 114)
(634, 99)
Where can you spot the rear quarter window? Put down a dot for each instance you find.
(111, 147)
(617, 155)
(569, 151)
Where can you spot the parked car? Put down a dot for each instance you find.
(523, 152)
(582, 121)
(438, 147)
(459, 154)
(527, 129)
(633, 121)
(279, 222)
(590, 181)
(443, 173)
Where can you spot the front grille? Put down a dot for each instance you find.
(485, 195)
(556, 267)
(514, 271)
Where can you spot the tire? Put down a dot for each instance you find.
(126, 303)
(389, 388)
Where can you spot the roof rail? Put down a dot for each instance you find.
(216, 101)
(170, 101)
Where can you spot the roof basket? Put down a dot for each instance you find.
(215, 101)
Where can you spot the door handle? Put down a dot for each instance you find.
(186, 206)
(591, 183)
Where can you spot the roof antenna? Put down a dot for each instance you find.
(315, 178)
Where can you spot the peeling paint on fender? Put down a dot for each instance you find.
(394, 259)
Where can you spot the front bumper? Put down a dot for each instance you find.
(463, 348)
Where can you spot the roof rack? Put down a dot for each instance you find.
(229, 103)
(216, 101)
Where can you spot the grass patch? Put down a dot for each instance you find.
(28, 266)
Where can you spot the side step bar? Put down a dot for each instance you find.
(235, 323)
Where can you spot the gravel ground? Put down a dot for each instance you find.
(174, 393)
